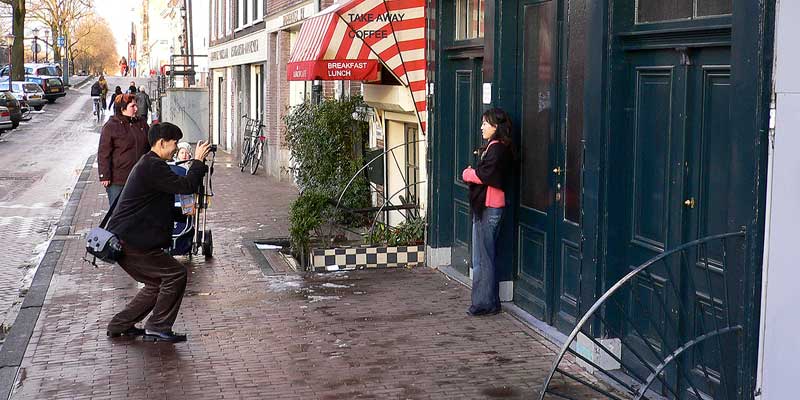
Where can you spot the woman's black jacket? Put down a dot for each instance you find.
(143, 217)
(493, 169)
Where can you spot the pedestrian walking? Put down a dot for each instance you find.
(132, 88)
(487, 200)
(123, 67)
(144, 103)
(143, 221)
(117, 92)
(123, 140)
(103, 90)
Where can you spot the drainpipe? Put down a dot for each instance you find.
(316, 87)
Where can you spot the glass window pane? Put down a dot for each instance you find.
(663, 10)
(575, 97)
(713, 7)
(537, 129)
(469, 19)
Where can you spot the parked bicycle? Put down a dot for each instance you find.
(252, 144)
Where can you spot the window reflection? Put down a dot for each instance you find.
(469, 19)
(670, 10)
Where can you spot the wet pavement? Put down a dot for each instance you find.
(383, 334)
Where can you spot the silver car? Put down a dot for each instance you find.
(29, 92)
(5, 119)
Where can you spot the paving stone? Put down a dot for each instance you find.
(395, 333)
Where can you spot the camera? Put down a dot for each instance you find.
(213, 148)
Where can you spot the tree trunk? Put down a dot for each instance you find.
(18, 50)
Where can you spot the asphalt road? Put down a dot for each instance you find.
(40, 162)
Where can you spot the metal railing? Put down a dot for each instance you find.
(654, 345)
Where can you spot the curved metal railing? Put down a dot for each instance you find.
(656, 347)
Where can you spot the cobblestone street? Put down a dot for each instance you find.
(394, 333)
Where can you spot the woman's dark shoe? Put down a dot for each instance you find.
(170, 337)
(130, 332)
(478, 313)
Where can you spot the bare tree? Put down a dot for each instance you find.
(18, 30)
(62, 16)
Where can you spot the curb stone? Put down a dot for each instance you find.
(16, 343)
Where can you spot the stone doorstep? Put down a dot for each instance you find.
(366, 257)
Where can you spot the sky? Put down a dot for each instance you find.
(119, 17)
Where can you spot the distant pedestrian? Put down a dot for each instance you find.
(132, 88)
(96, 93)
(123, 67)
(143, 220)
(117, 92)
(123, 140)
(143, 101)
(103, 89)
(487, 182)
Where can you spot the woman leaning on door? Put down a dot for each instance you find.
(487, 200)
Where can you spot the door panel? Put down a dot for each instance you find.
(464, 114)
(534, 284)
(551, 136)
(678, 190)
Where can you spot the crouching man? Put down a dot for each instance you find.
(143, 221)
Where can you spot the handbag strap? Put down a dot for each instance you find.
(110, 209)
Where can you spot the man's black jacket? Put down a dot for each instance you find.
(143, 217)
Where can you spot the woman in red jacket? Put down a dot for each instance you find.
(487, 200)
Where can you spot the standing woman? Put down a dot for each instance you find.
(487, 182)
(123, 141)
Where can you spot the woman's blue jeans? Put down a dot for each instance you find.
(485, 287)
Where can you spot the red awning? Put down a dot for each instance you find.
(347, 41)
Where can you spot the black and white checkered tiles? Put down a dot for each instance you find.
(346, 258)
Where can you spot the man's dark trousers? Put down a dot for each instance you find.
(164, 281)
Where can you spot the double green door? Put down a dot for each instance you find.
(671, 168)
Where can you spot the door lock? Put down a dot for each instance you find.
(558, 170)
(689, 203)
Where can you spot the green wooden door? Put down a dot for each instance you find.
(670, 174)
(463, 115)
(551, 105)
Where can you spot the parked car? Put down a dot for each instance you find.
(28, 92)
(5, 120)
(37, 69)
(12, 104)
(53, 87)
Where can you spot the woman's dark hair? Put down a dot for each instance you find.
(499, 119)
(165, 131)
(118, 90)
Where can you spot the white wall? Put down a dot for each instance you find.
(780, 346)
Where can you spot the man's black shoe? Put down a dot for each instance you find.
(130, 332)
(170, 337)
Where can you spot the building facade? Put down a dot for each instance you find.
(640, 127)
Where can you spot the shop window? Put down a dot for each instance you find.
(469, 19)
(671, 10)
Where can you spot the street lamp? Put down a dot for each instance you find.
(46, 38)
(10, 42)
(35, 45)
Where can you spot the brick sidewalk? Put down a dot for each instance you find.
(387, 334)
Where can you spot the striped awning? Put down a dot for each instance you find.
(347, 41)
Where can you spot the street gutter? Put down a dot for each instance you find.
(16, 343)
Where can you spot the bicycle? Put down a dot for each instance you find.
(98, 108)
(252, 145)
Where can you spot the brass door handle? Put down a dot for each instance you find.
(558, 170)
(689, 202)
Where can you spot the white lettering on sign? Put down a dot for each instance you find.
(344, 73)
(348, 65)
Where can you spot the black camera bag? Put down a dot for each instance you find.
(103, 244)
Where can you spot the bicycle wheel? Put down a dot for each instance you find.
(246, 154)
(258, 152)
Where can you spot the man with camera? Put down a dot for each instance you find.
(143, 221)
